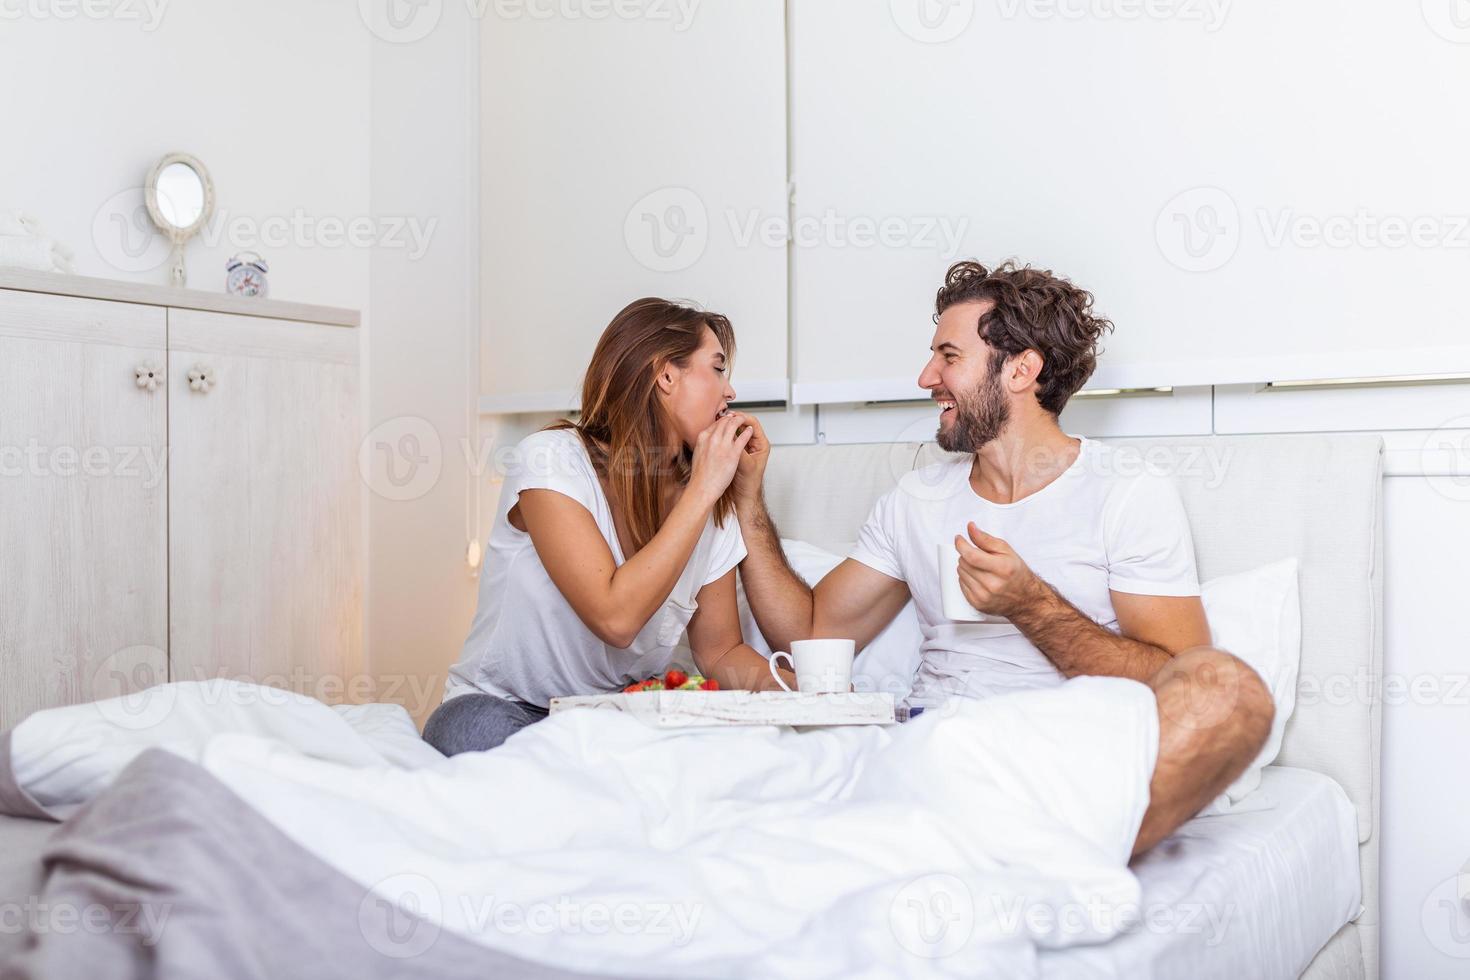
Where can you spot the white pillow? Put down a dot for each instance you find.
(1257, 616)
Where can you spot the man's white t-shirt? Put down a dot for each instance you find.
(1103, 524)
(526, 642)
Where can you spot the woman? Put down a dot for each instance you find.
(614, 535)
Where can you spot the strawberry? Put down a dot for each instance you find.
(633, 688)
(675, 678)
(653, 684)
(710, 684)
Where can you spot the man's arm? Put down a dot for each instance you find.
(1154, 628)
(781, 602)
(853, 601)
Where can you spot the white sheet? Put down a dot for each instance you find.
(593, 842)
(1252, 895)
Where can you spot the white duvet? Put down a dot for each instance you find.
(958, 844)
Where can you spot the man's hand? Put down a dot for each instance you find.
(993, 577)
(752, 469)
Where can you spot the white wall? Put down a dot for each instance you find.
(424, 357)
(312, 124)
(271, 96)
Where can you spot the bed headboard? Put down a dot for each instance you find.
(1251, 500)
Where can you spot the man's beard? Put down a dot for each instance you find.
(978, 419)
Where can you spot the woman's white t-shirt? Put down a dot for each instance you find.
(526, 642)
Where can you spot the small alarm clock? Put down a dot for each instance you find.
(245, 275)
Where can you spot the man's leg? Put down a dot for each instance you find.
(1214, 716)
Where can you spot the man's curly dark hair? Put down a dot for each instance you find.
(1034, 310)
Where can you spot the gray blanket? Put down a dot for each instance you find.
(168, 873)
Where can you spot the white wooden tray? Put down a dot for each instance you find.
(706, 709)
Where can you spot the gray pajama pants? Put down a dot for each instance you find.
(476, 722)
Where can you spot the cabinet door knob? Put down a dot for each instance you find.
(201, 378)
(147, 375)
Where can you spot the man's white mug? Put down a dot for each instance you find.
(952, 597)
(821, 666)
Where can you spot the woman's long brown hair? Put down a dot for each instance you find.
(628, 433)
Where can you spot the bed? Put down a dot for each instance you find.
(1251, 500)
(1286, 888)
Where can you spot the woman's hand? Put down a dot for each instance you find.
(717, 455)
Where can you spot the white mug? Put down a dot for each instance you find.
(821, 666)
(956, 606)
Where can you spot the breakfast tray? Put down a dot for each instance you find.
(709, 709)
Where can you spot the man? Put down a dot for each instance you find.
(1080, 569)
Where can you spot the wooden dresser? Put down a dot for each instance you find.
(179, 491)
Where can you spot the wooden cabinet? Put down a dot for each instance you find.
(83, 493)
(208, 525)
(264, 514)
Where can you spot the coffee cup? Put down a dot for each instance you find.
(820, 666)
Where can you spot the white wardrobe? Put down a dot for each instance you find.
(179, 494)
